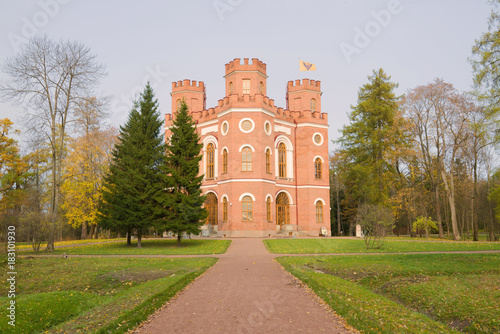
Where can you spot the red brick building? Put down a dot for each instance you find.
(265, 167)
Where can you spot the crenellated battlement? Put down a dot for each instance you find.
(187, 84)
(308, 84)
(258, 101)
(300, 93)
(236, 65)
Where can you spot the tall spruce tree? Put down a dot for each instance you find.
(181, 201)
(134, 175)
(370, 143)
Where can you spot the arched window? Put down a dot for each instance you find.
(282, 209)
(224, 161)
(317, 169)
(268, 161)
(262, 88)
(282, 159)
(247, 208)
(224, 209)
(211, 207)
(246, 86)
(246, 159)
(268, 209)
(231, 88)
(319, 211)
(210, 161)
(313, 105)
(178, 104)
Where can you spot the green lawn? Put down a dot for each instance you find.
(333, 245)
(150, 247)
(482, 237)
(424, 293)
(24, 245)
(94, 295)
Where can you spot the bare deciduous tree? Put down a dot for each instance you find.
(481, 137)
(50, 79)
(440, 117)
(419, 110)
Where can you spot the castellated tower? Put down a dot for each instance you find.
(193, 93)
(265, 168)
(249, 79)
(304, 96)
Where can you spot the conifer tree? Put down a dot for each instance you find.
(484, 60)
(134, 175)
(371, 141)
(181, 201)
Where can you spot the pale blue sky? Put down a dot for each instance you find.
(141, 40)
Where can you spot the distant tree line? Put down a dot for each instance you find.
(428, 156)
(61, 188)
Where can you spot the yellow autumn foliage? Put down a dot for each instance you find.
(88, 160)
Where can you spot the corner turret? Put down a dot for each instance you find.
(247, 78)
(192, 91)
(304, 95)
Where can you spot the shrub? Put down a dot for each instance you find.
(375, 221)
(424, 224)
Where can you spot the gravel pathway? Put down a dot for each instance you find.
(247, 291)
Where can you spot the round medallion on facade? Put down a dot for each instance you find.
(225, 128)
(317, 139)
(247, 125)
(267, 127)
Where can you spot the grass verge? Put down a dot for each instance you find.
(483, 237)
(149, 247)
(94, 295)
(333, 245)
(423, 293)
(24, 245)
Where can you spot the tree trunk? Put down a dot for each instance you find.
(450, 190)
(446, 219)
(96, 230)
(462, 225)
(139, 238)
(56, 186)
(467, 222)
(438, 212)
(410, 230)
(491, 233)
(339, 223)
(491, 226)
(92, 228)
(475, 229)
(179, 237)
(491, 221)
(468, 226)
(53, 194)
(129, 236)
(84, 230)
